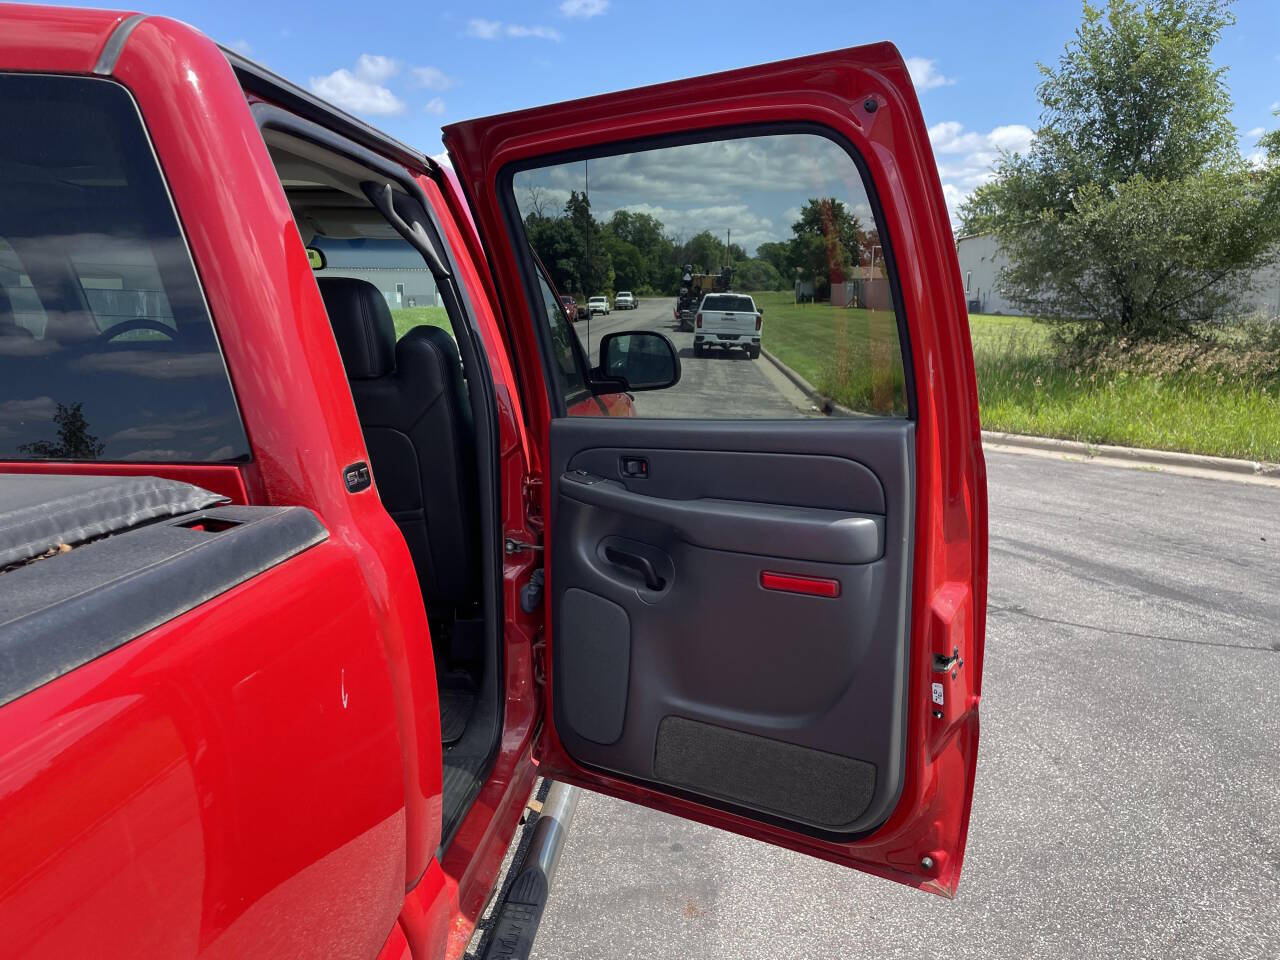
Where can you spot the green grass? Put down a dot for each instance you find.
(851, 356)
(407, 318)
(1222, 401)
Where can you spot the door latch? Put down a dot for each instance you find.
(943, 664)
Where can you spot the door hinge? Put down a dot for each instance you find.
(539, 654)
(533, 497)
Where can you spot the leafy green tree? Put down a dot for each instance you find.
(595, 269)
(827, 241)
(757, 274)
(630, 271)
(779, 256)
(1133, 216)
(559, 247)
(705, 251)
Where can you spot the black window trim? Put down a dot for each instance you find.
(524, 254)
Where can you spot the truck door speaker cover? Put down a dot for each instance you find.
(594, 658)
(799, 783)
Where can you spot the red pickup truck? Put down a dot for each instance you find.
(302, 587)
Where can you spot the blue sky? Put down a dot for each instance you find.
(409, 67)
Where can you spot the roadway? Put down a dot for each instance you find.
(723, 384)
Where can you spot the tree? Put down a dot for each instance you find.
(757, 274)
(1132, 215)
(75, 442)
(595, 269)
(779, 255)
(827, 241)
(559, 246)
(537, 201)
(705, 251)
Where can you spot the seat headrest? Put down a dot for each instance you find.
(362, 326)
(9, 326)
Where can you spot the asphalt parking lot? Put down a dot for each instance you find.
(1127, 801)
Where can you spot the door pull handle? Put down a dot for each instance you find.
(641, 565)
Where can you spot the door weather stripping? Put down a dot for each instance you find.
(516, 919)
(106, 64)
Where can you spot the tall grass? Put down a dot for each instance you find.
(1219, 396)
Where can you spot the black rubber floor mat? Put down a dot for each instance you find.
(455, 711)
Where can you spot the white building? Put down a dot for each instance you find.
(392, 266)
(981, 259)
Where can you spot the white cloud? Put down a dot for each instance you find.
(433, 78)
(584, 8)
(542, 33)
(375, 67)
(493, 29)
(442, 158)
(484, 29)
(925, 75)
(754, 186)
(965, 158)
(434, 106)
(1256, 132)
(241, 46)
(361, 90)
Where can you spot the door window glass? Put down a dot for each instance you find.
(760, 257)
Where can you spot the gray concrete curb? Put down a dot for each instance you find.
(820, 400)
(1158, 458)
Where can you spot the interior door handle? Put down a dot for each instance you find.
(764, 529)
(633, 561)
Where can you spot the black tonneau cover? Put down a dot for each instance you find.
(40, 512)
(146, 551)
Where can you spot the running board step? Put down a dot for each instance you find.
(517, 919)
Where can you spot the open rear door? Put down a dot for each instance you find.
(763, 615)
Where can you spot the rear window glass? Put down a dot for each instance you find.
(107, 349)
(720, 302)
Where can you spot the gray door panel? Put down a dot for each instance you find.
(783, 704)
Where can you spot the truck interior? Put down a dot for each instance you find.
(425, 414)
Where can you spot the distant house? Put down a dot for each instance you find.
(981, 260)
(864, 286)
(394, 267)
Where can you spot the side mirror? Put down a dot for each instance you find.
(636, 360)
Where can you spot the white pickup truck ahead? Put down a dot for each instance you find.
(727, 320)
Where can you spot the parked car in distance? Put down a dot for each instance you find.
(625, 301)
(598, 305)
(570, 307)
(727, 320)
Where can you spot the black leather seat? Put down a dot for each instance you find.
(412, 402)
